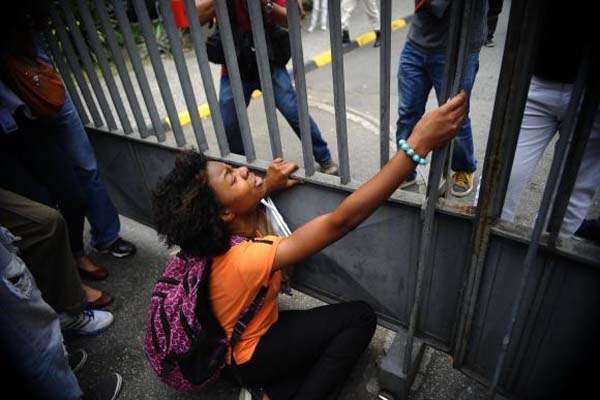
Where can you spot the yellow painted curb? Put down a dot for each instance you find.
(323, 59)
(320, 60)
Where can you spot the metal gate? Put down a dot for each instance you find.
(517, 308)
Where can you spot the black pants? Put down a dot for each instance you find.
(34, 166)
(308, 354)
(494, 10)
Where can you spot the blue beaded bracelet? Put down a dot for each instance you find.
(411, 153)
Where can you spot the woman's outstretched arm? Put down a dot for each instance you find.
(432, 131)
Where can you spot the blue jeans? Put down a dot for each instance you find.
(285, 101)
(100, 211)
(418, 72)
(30, 331)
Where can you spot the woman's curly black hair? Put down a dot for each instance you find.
(186, 210)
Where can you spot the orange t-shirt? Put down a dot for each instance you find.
(236, 277)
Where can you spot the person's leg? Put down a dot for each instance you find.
(45, 249)
(72, 138)
(287, 103)
(230, 120)
(494, 10)
(314, 15)
(372, 11)
(30, 333)
(308, 354)
(324, 11)
(586, 185)
(414, 86)
(538, 126)
(347, 7)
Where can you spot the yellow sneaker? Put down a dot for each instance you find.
(462, 183)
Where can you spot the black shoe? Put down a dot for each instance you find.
(377, 39)
(489, 42)
(590, 230)
(77, 359)
(108, 388)
(345, 37)
(120, 248)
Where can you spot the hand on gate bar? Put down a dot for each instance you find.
(439, 126)
(278, 176)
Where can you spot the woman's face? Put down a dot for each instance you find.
(237, 189)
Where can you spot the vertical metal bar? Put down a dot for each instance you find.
(385, 73)
(159, 70)
(73, 61)
(183, 74)
(264, 72)
(339, 95)
(65, 72)
(235, 80)
(552, 183)
(300, 80)
(88, 64)
(138, 69)
(209, 87)
(457, 44)
(119, 61)
(588, 111)
(511, 96)
(92, 36)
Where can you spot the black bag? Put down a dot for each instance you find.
(278, 48)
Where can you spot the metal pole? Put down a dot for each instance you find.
(65, 72)
(264, 72)
(235, 80)
(461, 12)
(87, 63)
(339, 96)
(589, 110)
(119, 61)
(552, 183)
(138, 68)
(300, 80)
(73, 61)
(92, 35)
(385, 73)
(183, 74)
(517, 67)
(209, 87)
(159, 69)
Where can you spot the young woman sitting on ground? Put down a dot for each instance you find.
(301, 354)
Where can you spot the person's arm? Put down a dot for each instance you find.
(433, 130)
(278, 12)
(205, 10)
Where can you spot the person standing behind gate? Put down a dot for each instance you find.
(286, 101)
(372, 12)
(547, 102)
(495, 8)
(319, 12)
(20, 24)
(422, 64)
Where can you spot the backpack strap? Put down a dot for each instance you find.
(245, 319)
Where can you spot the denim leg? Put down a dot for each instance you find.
(101, 212)
(414, 85)
(463, 156)
(30, 333)
(230, 120)
(286, 101)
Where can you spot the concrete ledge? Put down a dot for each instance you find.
(392, 378)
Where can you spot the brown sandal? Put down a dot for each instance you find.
(97, 274)
(103, 301)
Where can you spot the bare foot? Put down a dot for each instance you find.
(91, 294)
(90, 270)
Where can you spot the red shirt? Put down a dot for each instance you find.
(242, 19)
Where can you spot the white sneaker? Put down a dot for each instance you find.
(245, 395)
(88, 323)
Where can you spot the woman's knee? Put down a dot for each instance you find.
(364, 314)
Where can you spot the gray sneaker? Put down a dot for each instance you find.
(329, 168)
